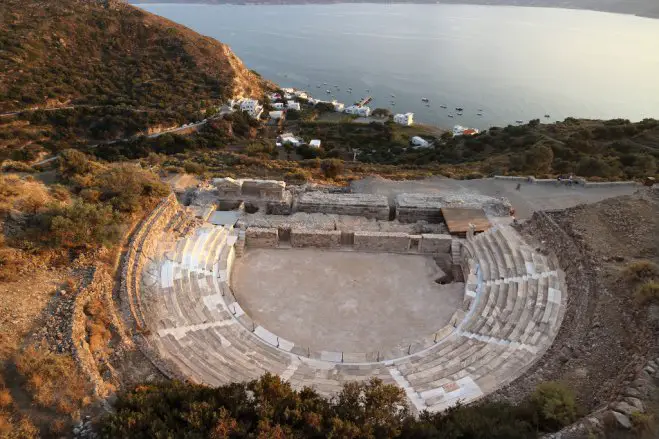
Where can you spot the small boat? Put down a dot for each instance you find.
(458, 109)
(328, 92)
(547, 116)
(427, 105)
(425, 100)
(459, 114)
(519, 121)
(318, 86)
(324, 83)
(393, 96)
(479, 114)
(450, 115)
(480, 110)
(442, 106)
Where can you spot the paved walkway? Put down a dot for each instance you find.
(529, 198)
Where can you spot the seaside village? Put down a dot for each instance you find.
(290, 99)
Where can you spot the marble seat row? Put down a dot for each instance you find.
(197, 326)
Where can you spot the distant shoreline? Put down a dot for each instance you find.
(640, 8)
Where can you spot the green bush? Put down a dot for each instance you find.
(79, 225)
(554, 406)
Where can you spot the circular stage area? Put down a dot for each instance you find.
(344, 301)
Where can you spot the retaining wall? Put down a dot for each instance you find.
(260, 237)
(382, 241)
(140, 249)
(435, 243)
(315, 238)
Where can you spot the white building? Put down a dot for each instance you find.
(288, 90)
(359, 111)
(288, 96)
(278, 106)
(459, 130)
(292, 105)
(291, 140)
(315, 143)
(338, 106)
(419, 142)
(252, 107)
(276, 115)
(301, 94)
(404, 119)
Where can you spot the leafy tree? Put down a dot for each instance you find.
(554, 406)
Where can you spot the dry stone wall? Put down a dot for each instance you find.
(433, 243)
(99, 286)
(382, 241)
(315, 238)
(258, 237)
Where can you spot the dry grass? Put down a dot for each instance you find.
(53, 380)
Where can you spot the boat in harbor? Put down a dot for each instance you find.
(328, 92)
(547, 116)
(364, 101)
(450, 115)
(459, 109)
(442, 106)
(519, 121)
(479, 114)
(425, 100)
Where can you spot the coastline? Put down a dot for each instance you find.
(640, 8)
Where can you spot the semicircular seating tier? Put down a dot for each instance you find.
(514, 305)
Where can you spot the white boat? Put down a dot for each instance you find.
(520, 121)
(442, 106)
(425, 99)
(328, 92)
(450, 115)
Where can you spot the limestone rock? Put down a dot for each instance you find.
(624, 408)
(622, 420)
(636, 403)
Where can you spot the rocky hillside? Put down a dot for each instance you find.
(74, 52)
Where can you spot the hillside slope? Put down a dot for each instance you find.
(54, 53)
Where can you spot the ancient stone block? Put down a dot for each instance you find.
(433, 243)
(382, 241)
(315, 238)
(366, 205)
(264, 188)
(261, 237)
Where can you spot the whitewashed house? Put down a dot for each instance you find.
(288, 90)
(301, 94)
(278, 105)
(315, 143)
(419, 142)
(292, 105)
(357, 110)
(276, 115)
(252, 107)
(404, 119)
(338, 106)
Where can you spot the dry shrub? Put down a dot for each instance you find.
(647, 292)
(643, 424)
(53, 379)
(10, 262)
(22, 194)
(98, 323)
(640, 270)
(59, 427)
(5, 399)
(21, 429)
